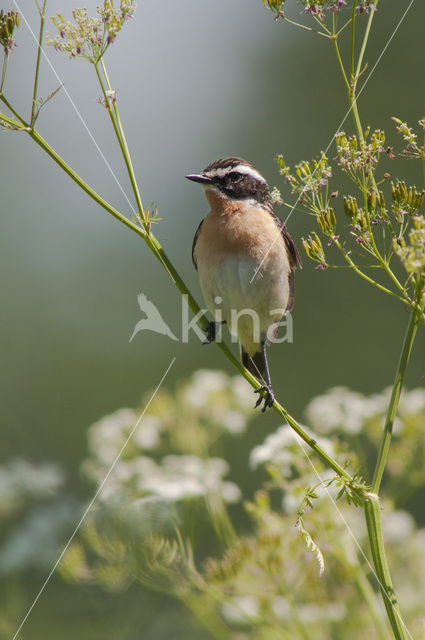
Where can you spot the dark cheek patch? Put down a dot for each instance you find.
(244, 189)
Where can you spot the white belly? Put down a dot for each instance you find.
(249, 306)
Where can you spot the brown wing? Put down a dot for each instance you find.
(195, 240)
(294, 259)
(294, 256)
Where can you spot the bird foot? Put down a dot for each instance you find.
(268, 398)
(212, 331)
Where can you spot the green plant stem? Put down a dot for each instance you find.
(363, 275)
(372, 505)
(37, 66)
(423, 162)
(353, 40)
(126, 152)
(12, 110)
(123, 146)
(343, 28)
(3, 71)
(352, 98)
(206, 615)
(341, 64)
(221, 521)
(372, 511)
(395, 397)
(303, 26)
(38, 139)
(369, 597)
(11, 122)
(364, 43)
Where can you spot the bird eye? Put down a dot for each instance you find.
(235, 176)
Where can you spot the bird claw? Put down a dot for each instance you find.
(268, 398)
(210, 333)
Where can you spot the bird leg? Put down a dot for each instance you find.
(267, 387)
(213, 331)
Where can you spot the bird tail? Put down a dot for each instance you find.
(256, 364)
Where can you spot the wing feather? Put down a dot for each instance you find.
(195, 240)
(294, 259)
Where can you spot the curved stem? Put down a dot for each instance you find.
(3, 71)
(12, 123)
(116, 123)
(341, 64)
(372, 505)
(372, 511)
(370, 598)
(353, 40)
(12, 110)
(303, 26)
(42, 12)
(364, 43)
(395, 397)
(363, 275)
(38, 139)
(125, 150)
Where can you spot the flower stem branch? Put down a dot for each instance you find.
(38, 139)
(369, 596)
(42, 12)
(3, 71)
(364, 43)
(125, 152)
(302, 26)
(341, 64)
(372, 511)
(372, 504)
(395, 397)
(363, 275)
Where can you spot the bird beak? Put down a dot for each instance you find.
(199, 177)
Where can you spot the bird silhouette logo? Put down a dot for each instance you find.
(153, 320)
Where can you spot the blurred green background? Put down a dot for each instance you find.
(195, 81)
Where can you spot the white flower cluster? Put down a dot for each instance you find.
(205, 391)
(278, 449)
(173, 478)
(346, 410)
(179, 477)
(211, 400)
(21, 480)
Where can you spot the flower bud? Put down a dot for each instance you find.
(8, 22)
(350, 207)
(314, 249)
(327, 221)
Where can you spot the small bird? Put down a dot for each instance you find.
(246, 260)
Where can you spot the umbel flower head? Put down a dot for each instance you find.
(8, 22)
(88, 37)
(412, 253)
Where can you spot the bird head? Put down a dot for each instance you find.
(234, 179)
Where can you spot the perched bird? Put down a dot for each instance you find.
(246, 260)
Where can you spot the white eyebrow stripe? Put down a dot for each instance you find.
(240, 168)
